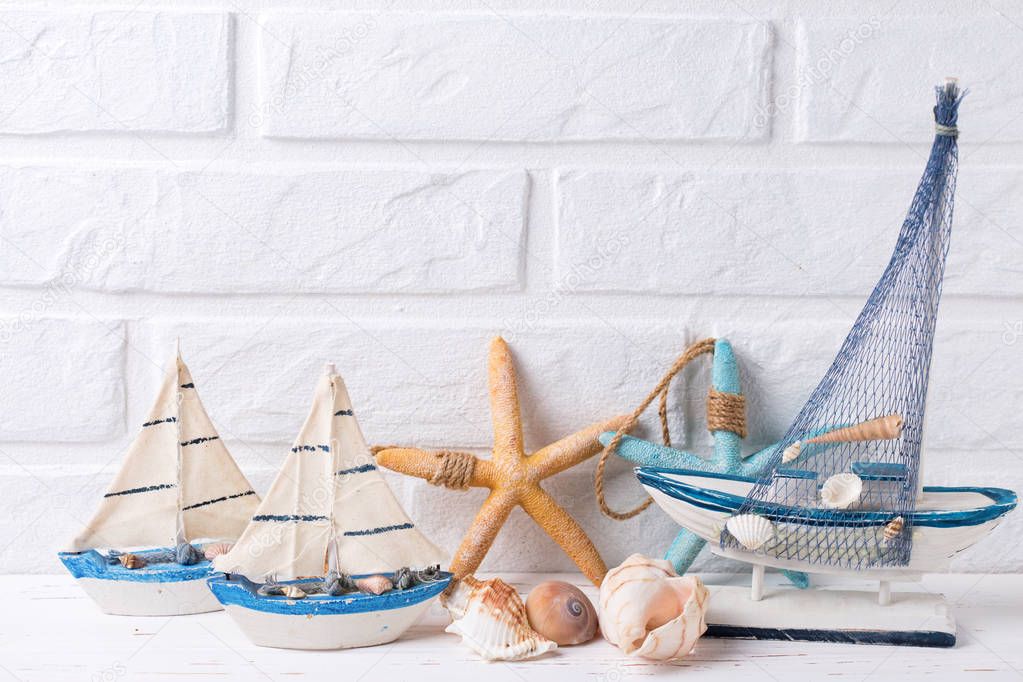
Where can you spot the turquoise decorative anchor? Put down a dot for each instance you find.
(725, 419)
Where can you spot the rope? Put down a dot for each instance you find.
(660, 390)
(726, 412)
(456, 469)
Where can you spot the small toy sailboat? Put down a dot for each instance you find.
(177, 485)
(329, 560)
(841, 491)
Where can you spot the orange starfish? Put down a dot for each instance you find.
(512, 476)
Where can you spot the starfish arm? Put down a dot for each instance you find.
(504, 404)
(564, 530)
(684, 550)
(645, 453)
(481, 533)
(426, 465)
(571, 450)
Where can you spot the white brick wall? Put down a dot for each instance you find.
(601, 182)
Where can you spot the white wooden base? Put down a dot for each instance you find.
(338, 631)
(130, 598)
(830, 615)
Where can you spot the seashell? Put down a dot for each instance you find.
(131, 561)
(374, 584)
(841, 491)
(791, 452)
(491, 618)
(881, 428)
(893, 528)
(215, 549)
(750, 530)
(561, 613)
(293, 592)
(647, 610)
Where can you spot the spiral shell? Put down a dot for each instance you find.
(131, 561)
(293, 592)
(561, 613)
(215, 549)
(893, 528)
(374, 584)
(647, 610)
(841, 491)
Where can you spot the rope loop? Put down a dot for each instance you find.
(660, 391)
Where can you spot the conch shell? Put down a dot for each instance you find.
(647, 610)
(293, 592)
(881, 428)
(491, 618)
(131, 561)
(841, 491)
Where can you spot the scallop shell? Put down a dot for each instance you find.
(750, 530)
(374, 584)
(293, 592)
(491, 618)
(561, 613)
(841, 491)
(215, 549)
(647, 610)
(893, 528)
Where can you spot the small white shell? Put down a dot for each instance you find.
(750, 530)
(841, 491)
(791, 452)
(491, 618)
(647, 610)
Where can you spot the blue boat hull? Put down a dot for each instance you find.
(157, 589)
(323, 621)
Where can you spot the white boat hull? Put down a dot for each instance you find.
(124, 598)
(334, 631)
(933, 547)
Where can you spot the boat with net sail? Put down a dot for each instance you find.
(177, 493)
(329, 560)
(842, 491)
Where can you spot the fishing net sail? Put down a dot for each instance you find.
(842, 483)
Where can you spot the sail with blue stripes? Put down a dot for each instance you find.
(854, 448)
(177, 483)
(329, 509)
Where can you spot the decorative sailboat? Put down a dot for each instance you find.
(329, 560)
(841, 491)
(177, 485)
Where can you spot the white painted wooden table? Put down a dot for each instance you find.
(49, 632)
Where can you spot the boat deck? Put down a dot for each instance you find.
(52, 632)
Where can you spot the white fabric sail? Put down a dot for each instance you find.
(177, 481)
(329, 508)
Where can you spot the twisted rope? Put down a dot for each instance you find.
(456, 469)
(725, 412)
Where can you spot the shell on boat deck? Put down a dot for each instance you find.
(131, 561)
(215, 549)
(751, 530)
(491, 618)
(841, 491)
(374, 584)
(647, 610)
(293, 592)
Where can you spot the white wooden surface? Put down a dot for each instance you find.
(49, 631)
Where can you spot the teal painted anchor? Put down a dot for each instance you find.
(727, 457)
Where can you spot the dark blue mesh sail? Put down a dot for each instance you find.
(880, 371)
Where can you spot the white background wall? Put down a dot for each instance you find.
(601, 182)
